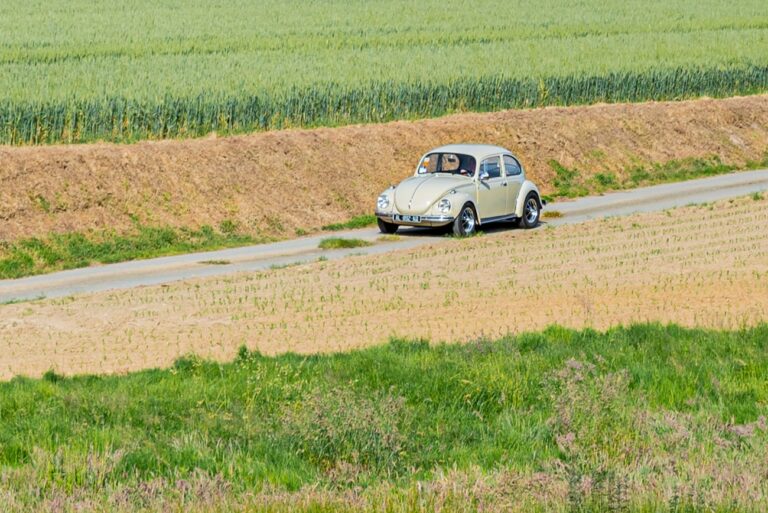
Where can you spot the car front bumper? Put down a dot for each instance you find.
(429, 221)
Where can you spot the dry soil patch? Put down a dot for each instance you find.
(697, 266)
(274, 183)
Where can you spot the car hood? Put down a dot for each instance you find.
(416, 194)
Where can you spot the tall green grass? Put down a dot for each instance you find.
(643, 418)
(156, 70)
(121, 119)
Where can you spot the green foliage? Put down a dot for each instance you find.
(43, 203)
(589, 408)
(121, 119)
(338, 425)
(75, 249)
(566, 181)
(52, 377)
(679, 170)
(605, 180)
(570, 184)
(340, 243)
(148, 70)
(356, 222)
(228, 227)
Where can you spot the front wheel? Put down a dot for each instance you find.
(465, 223)
(531, 211)
(386, 227)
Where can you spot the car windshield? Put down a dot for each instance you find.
(452, 163)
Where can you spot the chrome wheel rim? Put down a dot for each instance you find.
(531, 211)
(467, 220)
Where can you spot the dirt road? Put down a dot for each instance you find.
(702, 265)
(265, 256)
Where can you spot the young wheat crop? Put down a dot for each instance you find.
(124, 73)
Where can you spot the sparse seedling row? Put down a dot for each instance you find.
(691, 265)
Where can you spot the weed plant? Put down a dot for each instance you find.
(361, 221)
(341, 243)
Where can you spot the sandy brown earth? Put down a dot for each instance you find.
(698, 266)
(274, 183)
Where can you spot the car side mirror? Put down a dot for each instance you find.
(484, 176)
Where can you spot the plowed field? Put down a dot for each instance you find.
(703, 266)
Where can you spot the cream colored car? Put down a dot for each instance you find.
(464, 186)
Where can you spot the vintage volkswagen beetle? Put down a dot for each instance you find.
(464, 186)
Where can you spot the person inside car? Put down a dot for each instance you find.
(467, 166)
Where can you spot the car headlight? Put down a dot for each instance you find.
(383, 202)
(444, 205)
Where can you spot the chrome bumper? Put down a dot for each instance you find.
(425, 220)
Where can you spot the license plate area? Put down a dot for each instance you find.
(407, 219)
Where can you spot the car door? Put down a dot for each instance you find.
(492, 190)
(513, 172)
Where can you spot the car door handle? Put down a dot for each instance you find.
(504, 184)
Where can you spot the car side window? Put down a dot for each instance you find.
(512, 166)
(492, 166)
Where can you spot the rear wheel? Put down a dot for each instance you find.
(466, 222)
(386, 227)
(531, 211)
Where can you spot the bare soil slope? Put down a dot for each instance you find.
(698, 266)
(274, 183)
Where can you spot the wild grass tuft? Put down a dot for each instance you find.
(356, 222)
(341, 243)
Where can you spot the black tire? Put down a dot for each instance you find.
(465, 223)
(531, 212)
(386, 227)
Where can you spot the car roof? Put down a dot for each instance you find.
(478, 151)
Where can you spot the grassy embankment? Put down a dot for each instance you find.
(571, 183)
(72, 250)
(645, 418)
(136, 72)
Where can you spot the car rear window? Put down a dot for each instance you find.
(511, 166)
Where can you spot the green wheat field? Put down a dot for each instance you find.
(74, 71)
